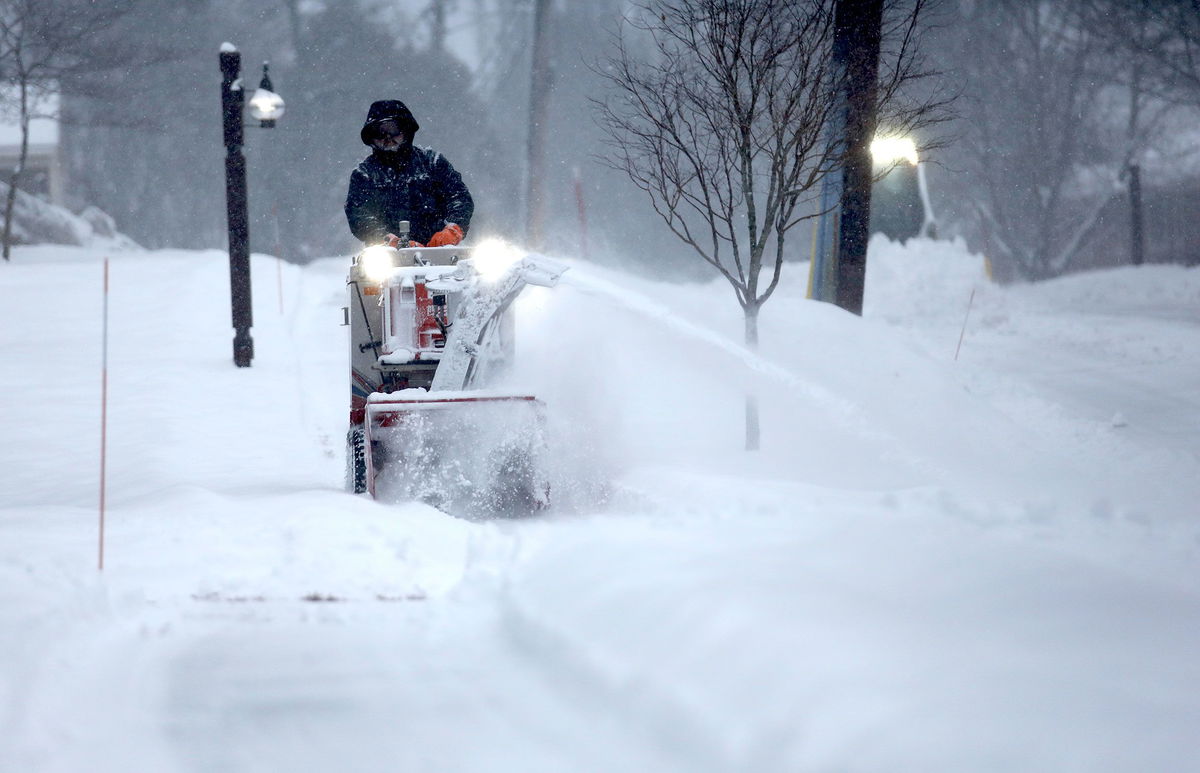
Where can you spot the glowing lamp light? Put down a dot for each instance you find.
(266, 106)
(891, 150)
(492, 257)
(377, 263)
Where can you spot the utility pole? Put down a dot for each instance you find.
(839, 262)
(233, 97)
(857, 31)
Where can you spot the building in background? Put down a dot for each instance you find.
(45, 174)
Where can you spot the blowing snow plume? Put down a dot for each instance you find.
(472, 458)
(638, 374)
(641, 372)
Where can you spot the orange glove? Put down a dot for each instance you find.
(451, 234)
(392, 240)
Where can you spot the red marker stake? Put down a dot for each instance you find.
(966, 316)
(103, 411)
(278, 257)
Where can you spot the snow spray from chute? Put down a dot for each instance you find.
(829, 403)
(644, 306)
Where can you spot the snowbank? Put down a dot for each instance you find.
(39, 222)
(981, 564)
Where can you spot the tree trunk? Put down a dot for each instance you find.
(437, 37)
(1137, 238)
(753, 429)
(8, 212)
(539, 104)
(15, 180)
(295, 25)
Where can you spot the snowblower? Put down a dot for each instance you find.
(431, 330)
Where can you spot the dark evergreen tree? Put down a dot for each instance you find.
(146, 146)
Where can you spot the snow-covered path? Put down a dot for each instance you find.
(347, 676)
(932, 566)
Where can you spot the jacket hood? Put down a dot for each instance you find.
(384, 110)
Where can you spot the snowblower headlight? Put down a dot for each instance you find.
(376, 263)
(492, 257)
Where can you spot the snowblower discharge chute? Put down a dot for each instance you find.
(430, 330)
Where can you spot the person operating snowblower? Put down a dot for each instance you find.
(401, 183)
(431, 326)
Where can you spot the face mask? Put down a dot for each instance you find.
(394, 157)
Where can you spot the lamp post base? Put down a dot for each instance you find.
(243, 349)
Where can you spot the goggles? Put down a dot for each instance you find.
(388, 128)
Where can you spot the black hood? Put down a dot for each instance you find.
(384, 110)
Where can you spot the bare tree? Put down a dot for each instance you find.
(1173, 42)
(1135, 34)
(724, 124)
(541, 80)
(41, 44)
(1151, 50)
(1057, 118)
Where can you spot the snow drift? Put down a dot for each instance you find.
(985, 564)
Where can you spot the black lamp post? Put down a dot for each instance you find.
(266, 106)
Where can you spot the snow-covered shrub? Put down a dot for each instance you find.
(39, 222)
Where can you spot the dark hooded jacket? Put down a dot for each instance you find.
(414, 184)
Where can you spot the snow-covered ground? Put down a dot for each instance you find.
(983, 564)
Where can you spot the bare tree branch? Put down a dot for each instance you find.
(43, 44)
(723, 121)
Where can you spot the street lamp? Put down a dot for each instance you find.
(266, 107)
(900, 208)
